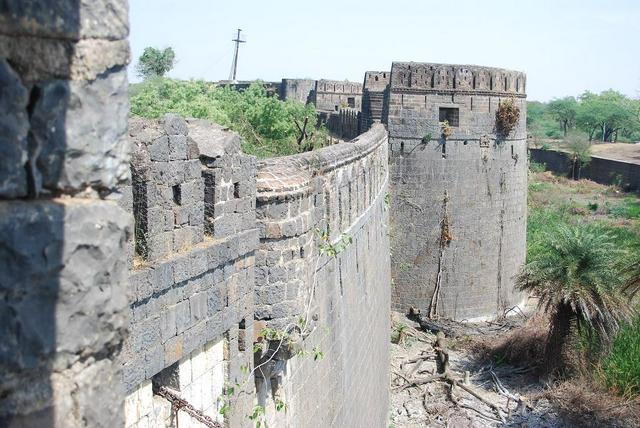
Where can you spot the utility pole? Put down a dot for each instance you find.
(234, 64)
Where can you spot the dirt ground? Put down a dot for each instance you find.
(618, 151)
(484, 393)
(629, 152)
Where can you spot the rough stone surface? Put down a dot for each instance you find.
(63, 245)
(470, 188)
(66, 19)
(70, 305)
(342, 189)
(14, 126)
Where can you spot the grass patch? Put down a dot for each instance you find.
(620, 369)
(629, 208)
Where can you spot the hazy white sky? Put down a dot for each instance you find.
(564, 46)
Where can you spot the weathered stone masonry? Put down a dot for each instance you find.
(193, 286)
(469, 189)
(192, 275)
(63, 269)
(200, 246)
(340, 189)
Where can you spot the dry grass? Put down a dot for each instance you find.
(580, 401)
(523, 346)
(586, 404)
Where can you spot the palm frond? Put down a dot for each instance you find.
(579, 266)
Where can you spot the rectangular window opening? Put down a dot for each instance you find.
(450, 114)
(236, 190)
(177, 194)
(351, 102)
(168, 377)
(241, 336)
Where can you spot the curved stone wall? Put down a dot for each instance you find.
(340, 189)
(458, 224)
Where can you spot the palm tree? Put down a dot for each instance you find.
(575, 274)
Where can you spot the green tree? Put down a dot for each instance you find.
(268, 126)
(155, 62)
(607, 115)
(575, 274)
(579, 148)
(540, 124)
(564, 111)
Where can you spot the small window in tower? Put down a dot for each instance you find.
(351, 102)
(177, 194)
(451, 115)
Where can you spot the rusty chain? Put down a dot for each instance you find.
(179, 403)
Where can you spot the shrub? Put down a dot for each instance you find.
(575, 275)
(537, 166)
(268, 126)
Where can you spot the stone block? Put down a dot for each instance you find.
(75, 254)
(159, 149)
(153, 362)
(94, 141)
(168, 323)
(160, 246)
(215, 300)
(173, 350)
(198, 306)
(174, 124)
(193, 170)
(183, 238)
(140, 281)
(162, 277)
(14, 127)
(183, 316)
(199, 261)
(177, 147)
(66, 19)
(181, 269)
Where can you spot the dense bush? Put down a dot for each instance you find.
(266, 124)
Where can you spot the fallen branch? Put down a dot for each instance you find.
(493, 406)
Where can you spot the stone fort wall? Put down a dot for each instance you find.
(374, 92)
(63, 154)
(459, 204)
(601, 170)
(134, 266)
(339, 193)
(215, 259)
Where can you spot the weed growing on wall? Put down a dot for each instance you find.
(507, 116)
(330, 248)
(286, 342)
(445, 129)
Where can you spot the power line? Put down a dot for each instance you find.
(234, 64)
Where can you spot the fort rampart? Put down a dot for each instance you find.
(458, 201)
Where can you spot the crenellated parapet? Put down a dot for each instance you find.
(331, 95)
(472, 79)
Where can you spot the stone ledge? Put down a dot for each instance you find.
(292, 173)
